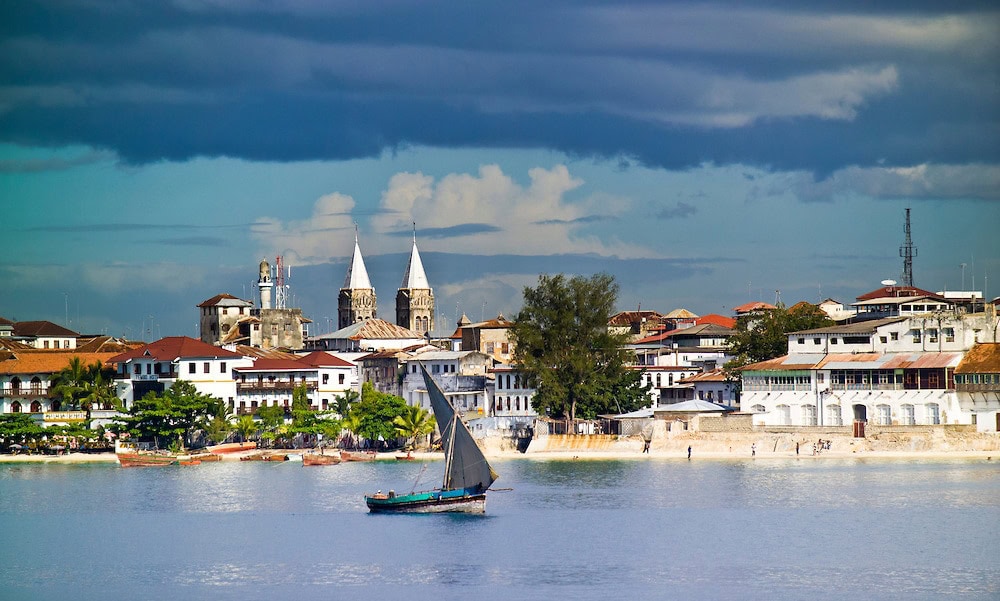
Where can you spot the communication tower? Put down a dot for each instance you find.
(281, 292)
(907, 251)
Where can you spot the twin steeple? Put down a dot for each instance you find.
(414, 299)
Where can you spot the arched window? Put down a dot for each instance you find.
(15, 407)
(15, 385)
(783, 415)
(907, 418)
(36, 407)
(883, 415)
(933, 413)
(833, 416)
(758, 409)
(36, 385)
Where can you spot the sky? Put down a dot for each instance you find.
(705, 154)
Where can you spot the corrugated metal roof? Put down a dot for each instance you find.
(922, 360)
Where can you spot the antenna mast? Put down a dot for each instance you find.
(281, 294)
(907, 251)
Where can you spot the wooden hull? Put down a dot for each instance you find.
(357, 455)
(145, 460)
(232, 447)
(317, 459)
(438, 501)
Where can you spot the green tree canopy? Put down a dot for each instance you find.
(375, 413)
(19, 428)
(562, 343)
(80, 386)
(170, 416)
(763, 335)
(414, 422)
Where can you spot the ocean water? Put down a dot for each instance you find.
(557, 529)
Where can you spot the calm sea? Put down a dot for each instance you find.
(635, 529)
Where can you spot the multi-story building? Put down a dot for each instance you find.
(977, 382)
(490, 337)
(897, 370)
(511, 393)
(460, 374)
(271, 382)
(44, 335)
(154, 367)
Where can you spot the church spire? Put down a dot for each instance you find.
(357, 274)
(414, 277)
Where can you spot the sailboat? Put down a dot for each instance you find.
(467, 474)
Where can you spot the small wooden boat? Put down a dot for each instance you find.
(276, 457)
(207, 457)
(232, 447)
(137, 459)
(254, 457)
(189, 462)
(357, 455)
(318, 459)
(407, 457)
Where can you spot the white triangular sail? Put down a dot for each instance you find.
(466, 466)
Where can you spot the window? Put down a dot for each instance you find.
(137, 369)
(833, 341)
(191, 368)
(894, 336)
(932, 335)
(326, 378)
(883, 339)
(916, 336)
(834, 416)
(435, 369)
(949, 334)
(817, 341)
(907, 417)
(933, 414)
(802, 340)
(340, 378)
(222, 367)
(809, 415)
(206, 367)
(883, 415)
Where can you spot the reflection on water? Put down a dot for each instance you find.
(775, 529)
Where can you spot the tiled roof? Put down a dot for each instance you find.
(858, 361)
(5, 322)
(37, 361)
(680, 314)
(753, 306)
(176, 347)
(225, 300)
(708, 329)
(983, 358)
(252, 351)
(716, 375)
(105, 344)
(41, 328)
(895, 291)
(861, 327)
(323, 359)
(499, 322)
(14, 345)
(719, 320)
(372, 329)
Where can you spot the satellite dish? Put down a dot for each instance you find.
(888, 282)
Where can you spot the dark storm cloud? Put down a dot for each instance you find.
(780, 85)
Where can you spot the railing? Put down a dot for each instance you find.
(977, 387)
(276, 385)
(26, 392)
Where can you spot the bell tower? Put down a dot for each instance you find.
(415, 298)
(356, 301)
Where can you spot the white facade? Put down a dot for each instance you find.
(461, 376)
(895, 371)
(511, 393)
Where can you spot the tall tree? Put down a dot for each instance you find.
(562, 343)
(413, 423)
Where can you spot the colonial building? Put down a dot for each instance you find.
(271, 382)
(154, 367)
(44, 335)
(636, 324)
(367, 335)
(490, 337)
(511, 393)
(220, 318)
(977, 382)
(26, 376)
(897, 370)
(461, 376)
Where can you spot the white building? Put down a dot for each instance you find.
(511, 393)
(270, 382)
(154, 367)
(461, 375)
(893, 371)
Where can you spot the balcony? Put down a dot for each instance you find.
(276, 385)
(30, 391)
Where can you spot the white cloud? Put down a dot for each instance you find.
(511, 219)
(312, 240)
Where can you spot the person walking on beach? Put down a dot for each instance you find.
(753, 450)
(796, 448)
(689, 451)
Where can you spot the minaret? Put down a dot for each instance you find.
(415, 298)
(357, 298)
(264, 284)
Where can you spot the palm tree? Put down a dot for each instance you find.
(415, 421)
(69, 382)
(351, 423)
(246, 426)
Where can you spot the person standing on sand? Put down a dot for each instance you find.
(689, 451)
(753, 450)
(796, 448)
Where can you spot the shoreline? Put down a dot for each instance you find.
(583, 455)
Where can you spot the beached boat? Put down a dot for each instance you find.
(318, 459)
(467, 474)
(138, 459)
(231, 447)
(407, 457)
(357, 455)
(189, 461)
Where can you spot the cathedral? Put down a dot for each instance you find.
(414, 299)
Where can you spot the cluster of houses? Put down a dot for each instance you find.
(899, 355)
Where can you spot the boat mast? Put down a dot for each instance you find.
(449, 454)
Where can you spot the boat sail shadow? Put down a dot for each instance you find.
(467, 474)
